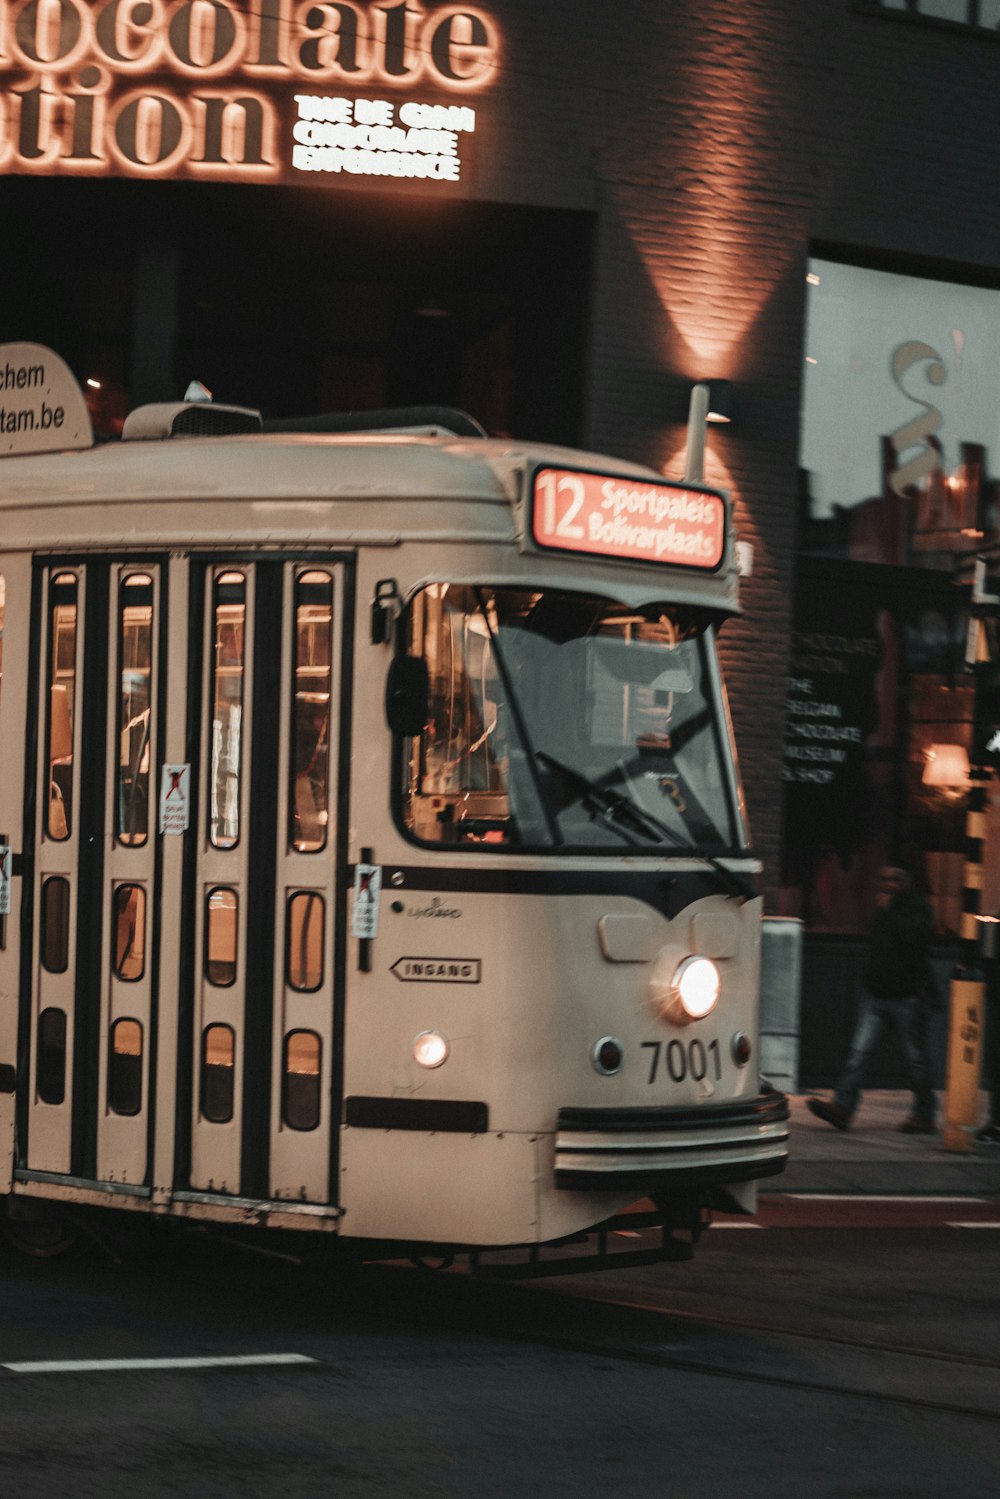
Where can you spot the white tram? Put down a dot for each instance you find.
(372, 850)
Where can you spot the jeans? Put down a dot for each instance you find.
(908, 1017)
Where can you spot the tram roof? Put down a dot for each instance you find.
(304, 490)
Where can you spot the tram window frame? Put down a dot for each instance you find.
(311, 896)
(137, 590)
(316, 1115)
(206, 958)
(55, 957)
(62, 674)
(131, 1084)
(227, 1068)
(229, 589)
(44, 1071)
(313, 589)
(117, 957)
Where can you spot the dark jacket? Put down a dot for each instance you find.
(897, 963)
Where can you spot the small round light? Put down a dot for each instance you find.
(607, 1056)
(741, 1048)
(430, 1049)
(696, 987)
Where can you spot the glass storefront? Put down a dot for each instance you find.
(899, 423)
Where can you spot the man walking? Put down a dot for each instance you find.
(896, 980)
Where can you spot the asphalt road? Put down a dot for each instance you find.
(815, 1357)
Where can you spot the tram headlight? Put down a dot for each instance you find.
(430, 1049)
(694, 992)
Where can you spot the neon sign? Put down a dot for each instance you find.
(634, 520)
(238, 89)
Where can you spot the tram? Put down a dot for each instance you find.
(373, 859)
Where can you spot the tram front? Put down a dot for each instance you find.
(573, 938)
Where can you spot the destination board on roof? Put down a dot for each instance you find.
(635, 520)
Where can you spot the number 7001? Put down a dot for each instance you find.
(693, 1059)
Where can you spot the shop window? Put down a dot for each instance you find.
(135, 655)
(977, 15)
(55, 924)
(125, 1068)
(304, 941)
(218, 1070)
(221, 933)
(61, 705)
(899, 441)
(50, 1076)
(130, 932)
(310, 789)
(228, 674)
(300, 1092)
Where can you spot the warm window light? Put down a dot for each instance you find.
(946, 765)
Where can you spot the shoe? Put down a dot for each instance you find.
(830, 1113)
(989, 1134)
(916, 1126)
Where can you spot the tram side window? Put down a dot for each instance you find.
(300, 1090)
(125, 1068)
(304, 941)
(55, 924)
(129, 928)
(62, 704)
(228, 674)
(135, 672)
(310, 790)
(221, 927)
(218, 1055)
(50, 1074)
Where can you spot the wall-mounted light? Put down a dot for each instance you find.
(720, 401)
(710, 402)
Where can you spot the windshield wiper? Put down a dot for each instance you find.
(615, 804)
(601, 800)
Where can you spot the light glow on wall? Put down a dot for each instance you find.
(723, 256)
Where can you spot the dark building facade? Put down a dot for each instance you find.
(561, 215)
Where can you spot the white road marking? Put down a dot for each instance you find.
(873, 1197)
(717, 1224)
(974, 1225)
(102, 1365)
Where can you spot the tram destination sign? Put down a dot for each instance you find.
(634, 519)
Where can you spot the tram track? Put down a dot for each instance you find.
(581, 1318)
(862, 1345)
(635, 1346)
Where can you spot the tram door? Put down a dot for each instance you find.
(181, 1028)
(263, 885)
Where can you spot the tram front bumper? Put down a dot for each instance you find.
(651, 1148)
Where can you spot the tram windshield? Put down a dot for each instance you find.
(563, 720)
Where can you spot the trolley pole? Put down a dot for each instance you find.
(694, 470)
(967, 997)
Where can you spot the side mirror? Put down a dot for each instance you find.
(407, 695)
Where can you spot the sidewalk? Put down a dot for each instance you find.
(872, 1158)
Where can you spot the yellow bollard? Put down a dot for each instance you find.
(966, 1008)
